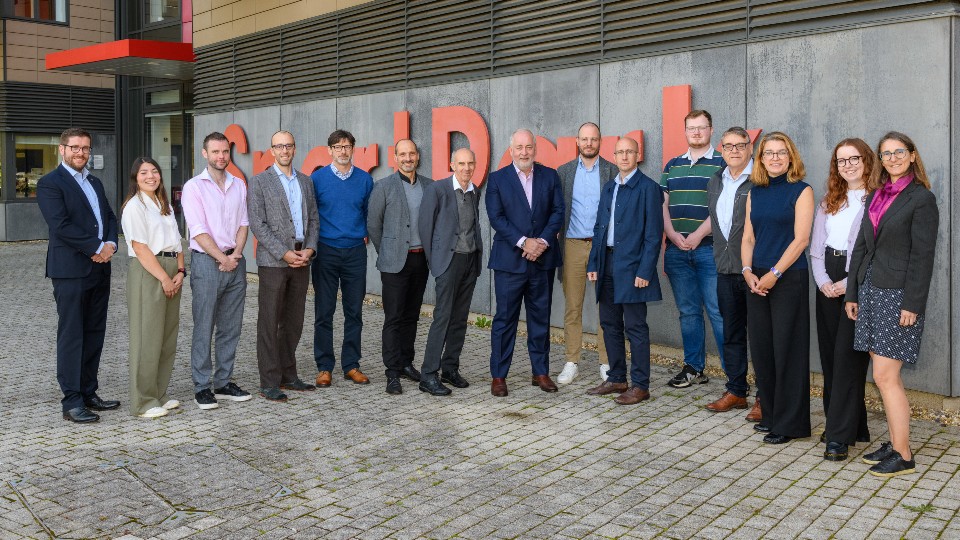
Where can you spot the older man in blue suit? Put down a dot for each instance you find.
(525, 207)
(623, 263)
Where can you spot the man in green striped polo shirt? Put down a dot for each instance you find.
(688, 259)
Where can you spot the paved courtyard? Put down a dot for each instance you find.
(352, 462)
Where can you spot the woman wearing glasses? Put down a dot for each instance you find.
(775, 233)
(835, 230)
(891, 267)
(154, 281)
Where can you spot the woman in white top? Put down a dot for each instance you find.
(835, 230)
(154, 280)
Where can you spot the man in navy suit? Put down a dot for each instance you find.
(83, 238)
(525, 207)
(623, 263)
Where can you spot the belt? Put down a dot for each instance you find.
(582, 239)
(298, 245)
(415, 250)
(836, 252)
(172, 254)
(609, 249)
(227, 252)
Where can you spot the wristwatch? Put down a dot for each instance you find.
(776, 272)
(182, 271)
(746, 269)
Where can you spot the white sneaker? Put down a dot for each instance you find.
(172, 404)
(604, 369)
(570, 371)
(155, 412)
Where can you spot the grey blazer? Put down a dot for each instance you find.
(567, 172)
(270, 219)
(388, 221)
(439, 222)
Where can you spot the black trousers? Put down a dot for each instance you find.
(449, 327)
(732, 294)
(780, 345)
(402, 297)
(844, 369)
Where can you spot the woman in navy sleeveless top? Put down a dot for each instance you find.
(775, 234)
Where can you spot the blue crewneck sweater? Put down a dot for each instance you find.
(342, 205)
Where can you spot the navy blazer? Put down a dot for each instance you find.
(637, 237)
(512, 218)
(72, 223)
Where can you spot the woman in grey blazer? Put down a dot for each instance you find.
(891, 268)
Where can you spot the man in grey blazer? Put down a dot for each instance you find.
(582, 179)
(450, 232)
(392, 225)
(283, 217)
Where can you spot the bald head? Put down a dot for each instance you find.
(464, 164)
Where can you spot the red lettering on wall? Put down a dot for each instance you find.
(366, 158)
(459, 119)
(262, 161)
(237, 139)
(318, 156)
(677, 102)
(401, 130)
(754, 133)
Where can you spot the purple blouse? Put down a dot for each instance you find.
(885, 197)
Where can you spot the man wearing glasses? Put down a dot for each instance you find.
(83, 238)
(343, 193)
(688, 258)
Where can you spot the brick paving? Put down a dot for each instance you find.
(352, 462)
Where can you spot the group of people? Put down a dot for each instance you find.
(737, 223)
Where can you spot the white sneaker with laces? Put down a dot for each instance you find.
(172, 404)
(570, 371)
(155, 412)
(604, 369)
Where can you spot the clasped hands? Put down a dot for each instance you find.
(834, 290)
(171, 286)
(105, 254)
(231, 262)
(298, 259)
(533, 248)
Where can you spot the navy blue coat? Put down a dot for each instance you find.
(512, 218)
(637, 235)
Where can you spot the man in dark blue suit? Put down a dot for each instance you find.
(525, 206)
(623, 263)
(83, 238)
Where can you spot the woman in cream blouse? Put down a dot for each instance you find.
(154, 281)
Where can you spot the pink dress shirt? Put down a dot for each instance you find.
(211, 211)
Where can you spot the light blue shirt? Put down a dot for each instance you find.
(728, 196)
(585, 200)
(81, 178)
(340, 175)
(291, 186)
(613, 204)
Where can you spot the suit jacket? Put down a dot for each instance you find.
(567, 173)
(637, 236)
(512, 218)
(72, 223)
(439, 223)
(388, 221)
(271, 222)
(902, 251)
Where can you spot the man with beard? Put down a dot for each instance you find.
(392, 224)
(215, 208)
(283, 217)
(582, 179)
(343, 193)
(83, 238)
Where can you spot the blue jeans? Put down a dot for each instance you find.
(344, 269)
(693, 278)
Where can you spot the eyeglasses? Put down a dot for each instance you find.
(692, 129)
(76, 148)
(769, 154)
(729, 147)
(899, 153)
(852, 161)
(279, 147)
(624, 152)
(341, 147)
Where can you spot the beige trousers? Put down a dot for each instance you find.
(576, 254)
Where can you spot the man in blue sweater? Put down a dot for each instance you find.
(343, 192)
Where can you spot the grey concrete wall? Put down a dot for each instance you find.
(818, 89)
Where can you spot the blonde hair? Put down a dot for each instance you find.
(795, 172)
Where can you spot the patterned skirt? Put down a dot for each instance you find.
(878, 327)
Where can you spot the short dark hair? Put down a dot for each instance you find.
(339, 135)
(73, 132)
(736, 130)
(215, 136)
(697, 113)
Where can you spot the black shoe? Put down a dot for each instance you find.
(454, 378)
(273, 394)
(205, 400)
(298, 386)
(94, 402)
(410, 372)
(773, 438)
(431, 384)
(878, 455)
(232, 392)
(80, 415)
(687, 377)
(893, 465)
(393, 386)
(761, 428)
(835, 452)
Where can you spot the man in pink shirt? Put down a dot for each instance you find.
(215, 207)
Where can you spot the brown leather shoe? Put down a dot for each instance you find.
(323, 379)
(607, 387)
(726, 402)
(498, 387)
(544, 382)
(356, 376)
(755, 414)
(632, 396)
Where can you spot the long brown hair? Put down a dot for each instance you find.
(133, 189)
(880, 175)
(836, 196)
(795, 172)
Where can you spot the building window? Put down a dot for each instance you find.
(36, 155)
(41, 10)
(162, 11)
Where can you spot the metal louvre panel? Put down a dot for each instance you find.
(447, 38)
(533, 34)
(256, 67)
(639, 26)
(309, 62)
(774, 17)
(213, 78)
(371, 51)
(50, 108)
